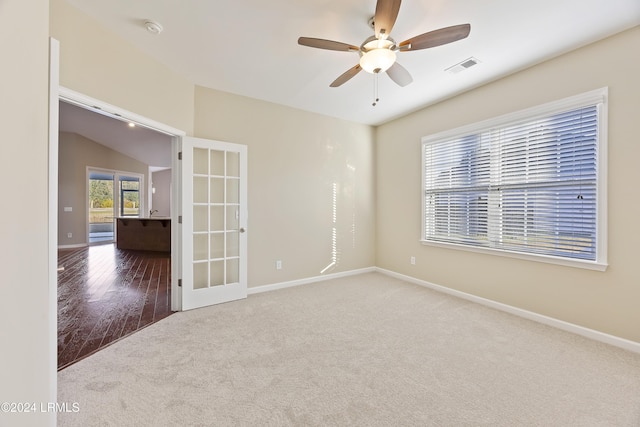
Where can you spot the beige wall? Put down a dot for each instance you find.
(99, 64)
(295, 158)
(26, 372)
(76, 153)
(604, 301)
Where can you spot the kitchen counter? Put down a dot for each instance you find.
(144, 234)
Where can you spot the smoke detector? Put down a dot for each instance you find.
(153, 27)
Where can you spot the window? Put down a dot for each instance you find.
(129, 196)
(530, 184)
(111, 195)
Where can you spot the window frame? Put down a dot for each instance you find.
(599, 98)
(121, 194)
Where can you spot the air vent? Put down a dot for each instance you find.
(461, 66)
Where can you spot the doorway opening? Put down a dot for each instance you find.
(94, 204)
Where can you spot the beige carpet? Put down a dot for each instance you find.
(365, 350)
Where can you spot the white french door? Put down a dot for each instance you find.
(214, 222)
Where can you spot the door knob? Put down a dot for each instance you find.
(242, 229)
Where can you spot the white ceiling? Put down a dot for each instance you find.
(249, 48)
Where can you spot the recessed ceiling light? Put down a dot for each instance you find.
(153, 27)
(132, 125)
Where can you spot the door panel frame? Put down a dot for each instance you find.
(227, 291)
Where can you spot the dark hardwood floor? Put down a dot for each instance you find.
(106, 293)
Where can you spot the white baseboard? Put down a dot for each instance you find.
(283, 285)
(546, 320)
(549, 321)
(77, 245)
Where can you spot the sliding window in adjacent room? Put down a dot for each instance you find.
(529, 184)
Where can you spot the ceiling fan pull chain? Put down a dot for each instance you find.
(375, 89)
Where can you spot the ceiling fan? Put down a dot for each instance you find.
(378, 52)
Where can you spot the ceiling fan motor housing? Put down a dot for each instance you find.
(377, 54)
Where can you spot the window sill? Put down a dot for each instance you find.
(576, 263)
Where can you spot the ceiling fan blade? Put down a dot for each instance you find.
(385, 17)
(346, 76)
(327, 44)
(399, 74)
(436, 38)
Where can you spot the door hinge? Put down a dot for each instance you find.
(180, 155)
(180, 219)
(179, 283)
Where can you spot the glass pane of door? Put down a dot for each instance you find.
(215, 227)
(101, 207)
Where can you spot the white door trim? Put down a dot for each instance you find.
(100, 107)
(54, 79)
(227, 286)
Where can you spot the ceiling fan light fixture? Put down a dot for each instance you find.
(377, 60)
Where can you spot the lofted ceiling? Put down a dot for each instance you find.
(250, 48)
(140, 143)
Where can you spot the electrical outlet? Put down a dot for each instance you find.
(413, 260)
(69, 235)
(278, 265)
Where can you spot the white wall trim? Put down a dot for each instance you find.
(52, 202)
(101, 107)
(549, 321)
(529, 315)
(308, 280)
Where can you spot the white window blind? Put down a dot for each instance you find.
(524, 186)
